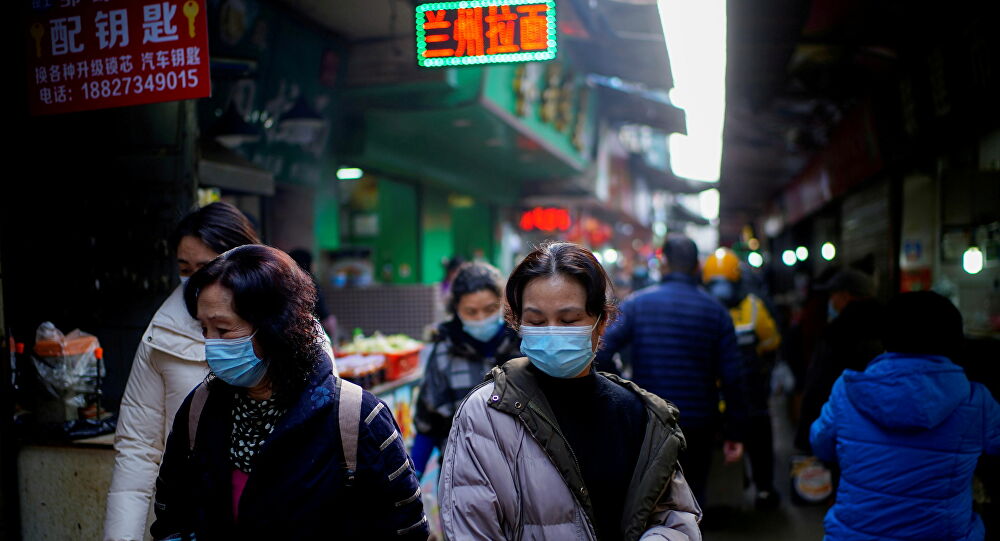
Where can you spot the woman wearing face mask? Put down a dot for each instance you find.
(465, 348)
(169, 362)
(270, 447)
(549, 449)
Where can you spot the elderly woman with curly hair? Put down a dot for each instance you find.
(273, 445)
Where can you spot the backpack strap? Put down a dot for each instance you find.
(349, 414)
(194, 413)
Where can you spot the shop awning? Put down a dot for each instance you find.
(628, 103)
(680, 213)
(665, 180)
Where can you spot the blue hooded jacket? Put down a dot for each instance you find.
(907, 433)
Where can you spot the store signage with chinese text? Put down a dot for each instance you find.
(95, 54)
(485, 32)
(545, 219)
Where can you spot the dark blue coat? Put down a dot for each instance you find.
(907, 433)
(682, 342)
(297, 487)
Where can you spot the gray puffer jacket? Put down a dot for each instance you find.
(509, 474)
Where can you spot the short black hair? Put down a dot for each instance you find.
(473, 277)
(565, 259)
(303, 258)
(923, 322)
(274, 295)
(453, 263)
(681, 253)
(219, 225)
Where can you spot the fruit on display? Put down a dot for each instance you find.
(379, 343)
(373, 360)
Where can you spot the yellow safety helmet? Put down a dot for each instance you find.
(722, 263)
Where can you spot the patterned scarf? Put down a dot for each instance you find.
(253, 421)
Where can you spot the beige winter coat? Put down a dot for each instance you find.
(509, 474)
(168, 364)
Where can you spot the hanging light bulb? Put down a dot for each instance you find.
(788, 257)
(755, 260)
(828, 251)
(972, 260)
(802, 253)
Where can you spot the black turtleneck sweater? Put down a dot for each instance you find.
(605, 424)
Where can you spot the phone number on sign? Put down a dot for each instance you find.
(127, 86)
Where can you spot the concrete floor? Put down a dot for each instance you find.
(730, 515)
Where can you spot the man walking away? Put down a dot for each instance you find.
(683, 343)
(758, 339)
(851, 339)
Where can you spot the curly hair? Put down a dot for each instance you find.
(276, 297)
(566, 259)
(473, 277)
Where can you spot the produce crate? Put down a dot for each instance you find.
(398, 365)
(366, 370)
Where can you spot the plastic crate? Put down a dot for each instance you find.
(398, 365)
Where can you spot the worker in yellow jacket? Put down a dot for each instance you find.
(758, 338)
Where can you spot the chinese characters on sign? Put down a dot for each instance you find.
(485, 31)
(94, 54)
(545, 219)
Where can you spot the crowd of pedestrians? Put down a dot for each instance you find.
(235, 424)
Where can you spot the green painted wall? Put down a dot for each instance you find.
(499, 89)
(397, 245)
(327, 223)
(474, 230)
(436, 234)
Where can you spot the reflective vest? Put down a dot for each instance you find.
(756, 332)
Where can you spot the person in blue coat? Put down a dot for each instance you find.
(907, 432)
(273, 445)
(683, 345)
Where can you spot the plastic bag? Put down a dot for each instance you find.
(67, 365)
(782, 379)
(811, 481)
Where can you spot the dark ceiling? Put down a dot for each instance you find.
(794, 68)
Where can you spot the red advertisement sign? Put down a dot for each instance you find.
(95, 54)
(485, 31)
(545, 219)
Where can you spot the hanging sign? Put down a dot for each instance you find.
(545, 219)
(95, 54)
(485, 31)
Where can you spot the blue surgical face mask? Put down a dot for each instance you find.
(483, 329)
(725, 291)
(234, 361)
(561, 352)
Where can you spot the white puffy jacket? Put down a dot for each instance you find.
(169, 362)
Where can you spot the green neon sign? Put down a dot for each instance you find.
(475, 32)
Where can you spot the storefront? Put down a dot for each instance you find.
(379, 168)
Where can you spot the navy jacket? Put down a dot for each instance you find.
(907, 433)
(297, 487)
(682, 342)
